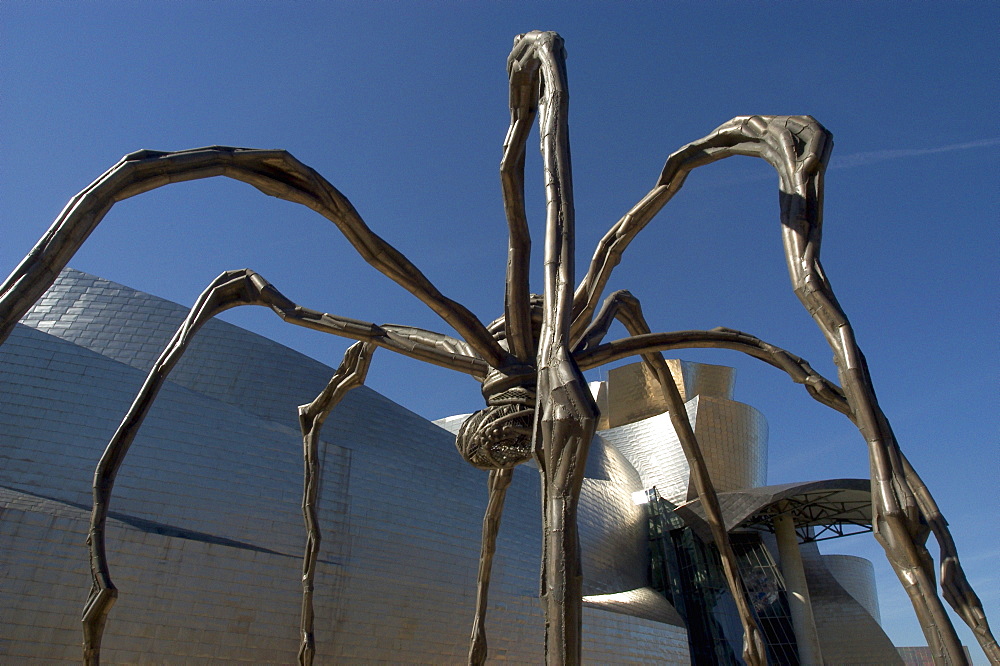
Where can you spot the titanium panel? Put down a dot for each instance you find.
(632, 392)
(732, 436)
(652, 448)
(708, 380)
(613, 529)
(848, 633)
(857, 576)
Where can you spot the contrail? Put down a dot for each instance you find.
(850, 161)
(871, 157)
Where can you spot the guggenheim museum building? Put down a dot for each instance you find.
(205, 535)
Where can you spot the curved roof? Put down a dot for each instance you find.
(821, 509)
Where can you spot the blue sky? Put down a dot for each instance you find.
(403, 107)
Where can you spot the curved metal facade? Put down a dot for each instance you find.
(206, 535)
(732, 435)
(857, 576)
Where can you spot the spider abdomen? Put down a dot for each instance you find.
(499, 437)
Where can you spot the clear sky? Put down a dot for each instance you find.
(403, 107)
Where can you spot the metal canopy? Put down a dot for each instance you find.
(821, 509)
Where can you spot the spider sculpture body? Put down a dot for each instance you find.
(530, 360)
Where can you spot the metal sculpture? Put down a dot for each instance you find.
(530, 360)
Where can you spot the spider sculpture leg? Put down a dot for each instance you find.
(278, 174)
(351, 374)
(798, 369)
(798, 148)
(232, 289)
(273, 172)
(565, 428)
(898, 523)
(566, 415)
(954, 584)
(517, 321)
(517, 324)
(625, 307)
(226, 291)
(498, 483)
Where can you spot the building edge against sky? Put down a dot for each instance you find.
(206, 536)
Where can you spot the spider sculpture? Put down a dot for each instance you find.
(530, 360)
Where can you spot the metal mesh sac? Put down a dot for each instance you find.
(499, 437)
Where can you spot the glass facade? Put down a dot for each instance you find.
(689, 573)
(766, 591)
